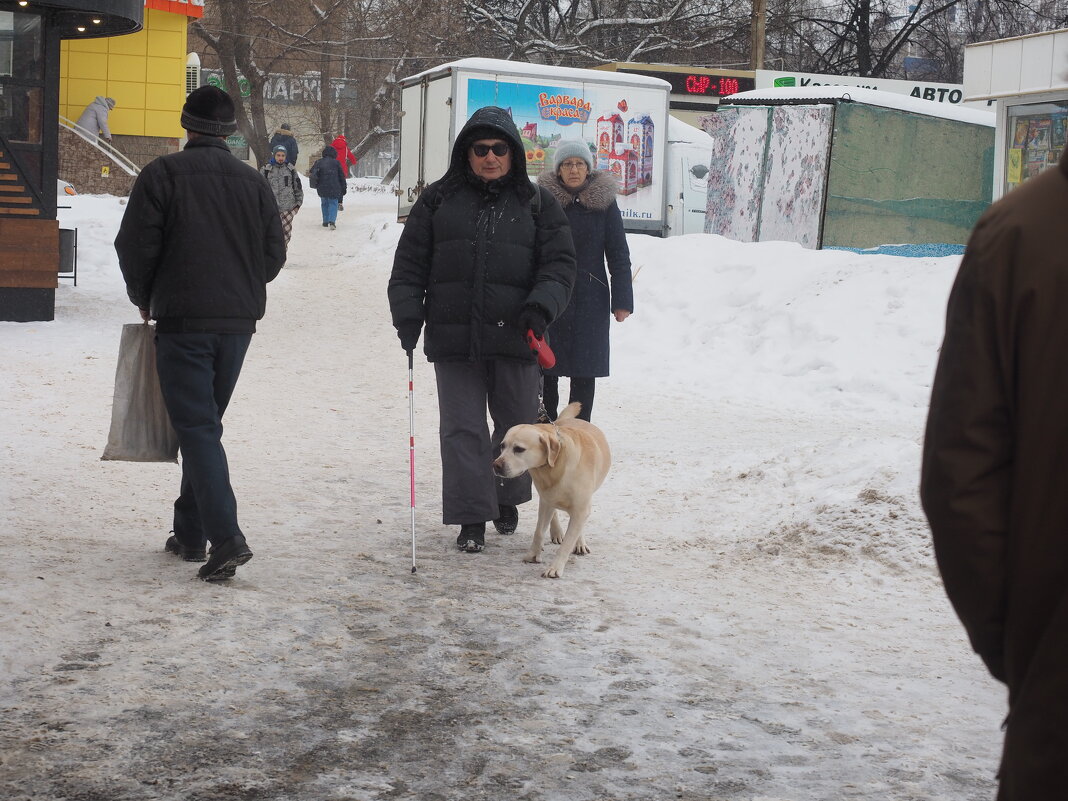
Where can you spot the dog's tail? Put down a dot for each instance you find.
(570, 411)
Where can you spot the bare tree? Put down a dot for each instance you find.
(596, 31)
(870, 37)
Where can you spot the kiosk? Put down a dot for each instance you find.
(30, 35)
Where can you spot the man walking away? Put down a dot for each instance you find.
(199, 242)
(284, 137)
(328, 179)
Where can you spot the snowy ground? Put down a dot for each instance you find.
(759, 619)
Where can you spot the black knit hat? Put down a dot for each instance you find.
(209, 110)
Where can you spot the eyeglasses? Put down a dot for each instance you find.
(482, 150)
(573, 165)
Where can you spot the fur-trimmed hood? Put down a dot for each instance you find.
(597, 195)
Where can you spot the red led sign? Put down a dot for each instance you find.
(700, 84)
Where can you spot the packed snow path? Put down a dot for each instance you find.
(759, 619)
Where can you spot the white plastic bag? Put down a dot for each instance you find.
(140, 428)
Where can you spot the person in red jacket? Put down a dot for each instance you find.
(344, 155)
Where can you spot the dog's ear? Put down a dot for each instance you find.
(551, 442)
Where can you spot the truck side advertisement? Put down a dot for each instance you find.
(623, 126)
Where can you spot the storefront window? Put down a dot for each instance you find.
(1036, 136)
(21, 77)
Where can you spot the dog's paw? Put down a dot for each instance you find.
(556, 539)
(532, 557)
(581, 548)
(552, 572)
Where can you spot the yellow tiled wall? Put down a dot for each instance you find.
(143, 71)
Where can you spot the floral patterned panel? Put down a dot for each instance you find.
(736, 181)
(795, 174)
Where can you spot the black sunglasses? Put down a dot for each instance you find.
(498, 148)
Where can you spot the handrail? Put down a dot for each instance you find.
(104, 147)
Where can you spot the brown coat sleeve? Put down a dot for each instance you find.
(968, 447)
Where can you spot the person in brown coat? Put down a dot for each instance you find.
(995, 466)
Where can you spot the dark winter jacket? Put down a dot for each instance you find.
(580, 337)
(993, 481)
(285, 138)
(327, 177)
(473, 254)
(200, 239)
(285, 183)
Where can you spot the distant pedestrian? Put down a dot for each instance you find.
(284, 137)
(344, 156)
(579, 337)
(327, 178)
(993, 474)
(484, 256)
(94, 120)
(288, 191)
(199, 241)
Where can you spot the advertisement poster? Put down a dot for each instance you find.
(1038, 135)
(1057, 132)
(621, 125)
(1014, 174)
(1019, 138)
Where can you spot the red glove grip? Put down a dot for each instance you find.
(541, 349)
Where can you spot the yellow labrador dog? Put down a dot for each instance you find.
(568, 461)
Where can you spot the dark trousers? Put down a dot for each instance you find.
(198, 373)
(470, 493)
(581, 390)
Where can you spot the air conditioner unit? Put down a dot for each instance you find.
(192, 73)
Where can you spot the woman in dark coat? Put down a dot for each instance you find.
(579, 338)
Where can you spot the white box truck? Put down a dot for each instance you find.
(623, 118)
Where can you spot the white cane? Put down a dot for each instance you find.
(411, 447)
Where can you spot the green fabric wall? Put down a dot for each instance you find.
(897, 177)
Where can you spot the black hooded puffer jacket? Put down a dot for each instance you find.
(327, 176)
(474, 253)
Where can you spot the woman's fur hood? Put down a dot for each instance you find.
(597, 195)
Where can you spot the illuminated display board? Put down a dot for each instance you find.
(700, 84)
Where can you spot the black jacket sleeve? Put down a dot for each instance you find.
(411, 266)
(139, 243)
(274, 246)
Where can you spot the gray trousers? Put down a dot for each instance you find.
(470, 493)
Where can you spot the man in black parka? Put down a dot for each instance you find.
(484, 256)
(199, 242)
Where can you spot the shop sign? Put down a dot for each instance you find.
(289, 89)
(950, 93)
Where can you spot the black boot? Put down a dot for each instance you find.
(472, 537)
(507, 520)
(186, 552)
(224, 559)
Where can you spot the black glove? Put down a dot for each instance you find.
(409, 335)
(340, 206)
(535, 319)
